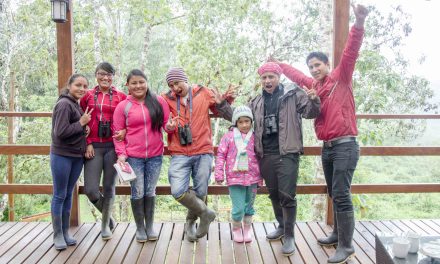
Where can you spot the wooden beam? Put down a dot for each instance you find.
(341, 17)
(65, 49)
(11, 128)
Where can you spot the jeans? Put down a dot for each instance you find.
(280, 172)
(243, 198)
(339, 163)
(65, 173)
(147, 174)
(103, 162)
(182, 167)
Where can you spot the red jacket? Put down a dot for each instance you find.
(88, 100)
(337, 117)
(203, 101)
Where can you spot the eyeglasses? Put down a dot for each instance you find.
(103, 74)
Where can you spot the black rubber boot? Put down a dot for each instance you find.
(70, 241)
(332, 239)
(199, 208)
(98, 204)
(345, 248)
(137, 206)
(279, 232)
(149, 203)
(106, 232)
(58, 237)
(289, 216)
(190, 227)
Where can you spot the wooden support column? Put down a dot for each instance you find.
(65, 70)
(341, 18)
(11, 127)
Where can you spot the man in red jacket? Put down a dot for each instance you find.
(336, 126)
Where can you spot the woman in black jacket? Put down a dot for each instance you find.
(67, 155)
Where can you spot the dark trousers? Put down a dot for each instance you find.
(65, 173)
(339, 163)
(280, 172)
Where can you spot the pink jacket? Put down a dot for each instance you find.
(140, 141)
(226, 155)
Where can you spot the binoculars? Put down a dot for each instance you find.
(104, 130)
(270, 124)
(185, 135)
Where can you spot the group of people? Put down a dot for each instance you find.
(100, 126)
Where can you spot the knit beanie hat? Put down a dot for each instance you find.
(270, 67)
(240, 111)
(176, 74)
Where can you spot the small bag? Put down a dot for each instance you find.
(125, 174)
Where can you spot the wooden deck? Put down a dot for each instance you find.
(31, 242)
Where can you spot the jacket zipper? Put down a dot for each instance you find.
(145, 131)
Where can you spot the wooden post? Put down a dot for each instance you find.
(65, 70)
(341, 18)
(11, 215)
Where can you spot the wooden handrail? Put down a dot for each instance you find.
(358, 116)
(223, 190)
(16, 149)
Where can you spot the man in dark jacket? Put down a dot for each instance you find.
(278, 144)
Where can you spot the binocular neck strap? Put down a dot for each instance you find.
(110, 92)
(190, 106)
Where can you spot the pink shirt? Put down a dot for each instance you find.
(225, 160)
(140, 141)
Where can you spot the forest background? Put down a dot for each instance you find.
(220, 42)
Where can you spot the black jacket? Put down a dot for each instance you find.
(68, 137)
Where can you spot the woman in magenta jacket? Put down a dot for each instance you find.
(143, 114)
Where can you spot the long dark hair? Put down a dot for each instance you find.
(72, 78)
(151, 102)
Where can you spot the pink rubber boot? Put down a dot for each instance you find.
(236, 232)
(247, 229)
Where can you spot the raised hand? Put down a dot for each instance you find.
(360, 12)
(86, 117)
(218, 98)
(232, 91)
(172, 122)
(311, 93)
(271, 58)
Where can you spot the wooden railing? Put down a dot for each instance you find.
(14, 149)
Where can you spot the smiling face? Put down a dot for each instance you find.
(180, 88)
(78, 87)
(138, 87)
(244, 124)
(318, 69)
(269, 81)
(104, 79)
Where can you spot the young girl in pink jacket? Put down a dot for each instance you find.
(237, 160)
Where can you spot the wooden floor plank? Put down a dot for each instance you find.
(264, 245)
(327, 230)
(200, 249)
(413, 227)
(33, 245)
(310, 239)
(173, 253)
(252, 249)
(21, 243)
(147, 251)
(162, 244)
(12, 231)
(75, 254)
(303, 247)
(17, 237)
(425, 227)
(213, 243)
(6, 226)
(47, 252)
(436, 221)
(226, 247)
(394, 229)
(187, 250)
(365, 233)
(240, 255)
(318, 233)
(276, 246)
(431, 224)
(110, 246)
(129, 249)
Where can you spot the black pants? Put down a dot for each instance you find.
(280, 172)
(339, 163)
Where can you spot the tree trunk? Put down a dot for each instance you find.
(146, 47)
(96, 35)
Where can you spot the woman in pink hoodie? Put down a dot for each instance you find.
(236, 158)
(143, 115)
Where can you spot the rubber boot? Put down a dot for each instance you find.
(332, 239)
(98, 204)
(70, 241)
(137, 206)
(106, 232)
(237, 235)
(58, 237)
(190, 227)
(289, 216)
(345, 249)
(149, 203)
(199, 208)
(279, 231)
(247, 228)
